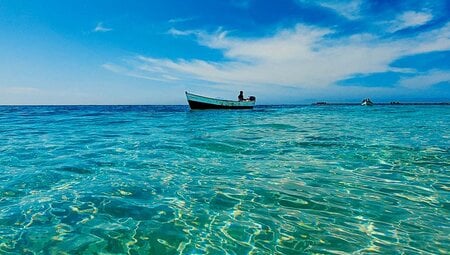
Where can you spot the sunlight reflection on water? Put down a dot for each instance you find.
(165, 180)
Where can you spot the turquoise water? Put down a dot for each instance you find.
(274, 180)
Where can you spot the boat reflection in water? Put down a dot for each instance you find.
(201, 102)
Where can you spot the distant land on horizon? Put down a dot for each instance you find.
(318, 103)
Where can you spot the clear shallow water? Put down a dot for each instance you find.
(275, 180)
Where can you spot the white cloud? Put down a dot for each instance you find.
(180, 20)
(177, 32)
(24, 95)
(141, 72)
(410, 19)
(438, 39)
(426, 80)
(101, 28)
(349, 9)
(19, 90)
(300, 57)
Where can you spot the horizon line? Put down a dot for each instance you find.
(321, 103)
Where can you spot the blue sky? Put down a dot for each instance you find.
(283, 51)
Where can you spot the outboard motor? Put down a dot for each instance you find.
(251, 98)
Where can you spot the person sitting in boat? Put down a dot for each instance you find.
(241, 96)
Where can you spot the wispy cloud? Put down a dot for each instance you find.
(180, 20)
(101, 28)
(424, 81)
(177, 32)
(19, 90)
(349, 9)
(410, 19)
(301, 57)
(141, 72)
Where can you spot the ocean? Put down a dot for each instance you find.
(273, 180)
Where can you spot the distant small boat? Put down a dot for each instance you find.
(202, 102)
(366, 102)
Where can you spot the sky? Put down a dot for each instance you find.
(281, 51)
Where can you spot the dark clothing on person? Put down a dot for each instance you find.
(241, 96)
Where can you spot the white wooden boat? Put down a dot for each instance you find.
(202, 102)
(366, 102)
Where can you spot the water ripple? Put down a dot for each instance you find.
(275, 180)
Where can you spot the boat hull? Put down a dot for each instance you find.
(366, 102)
(197, 102)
